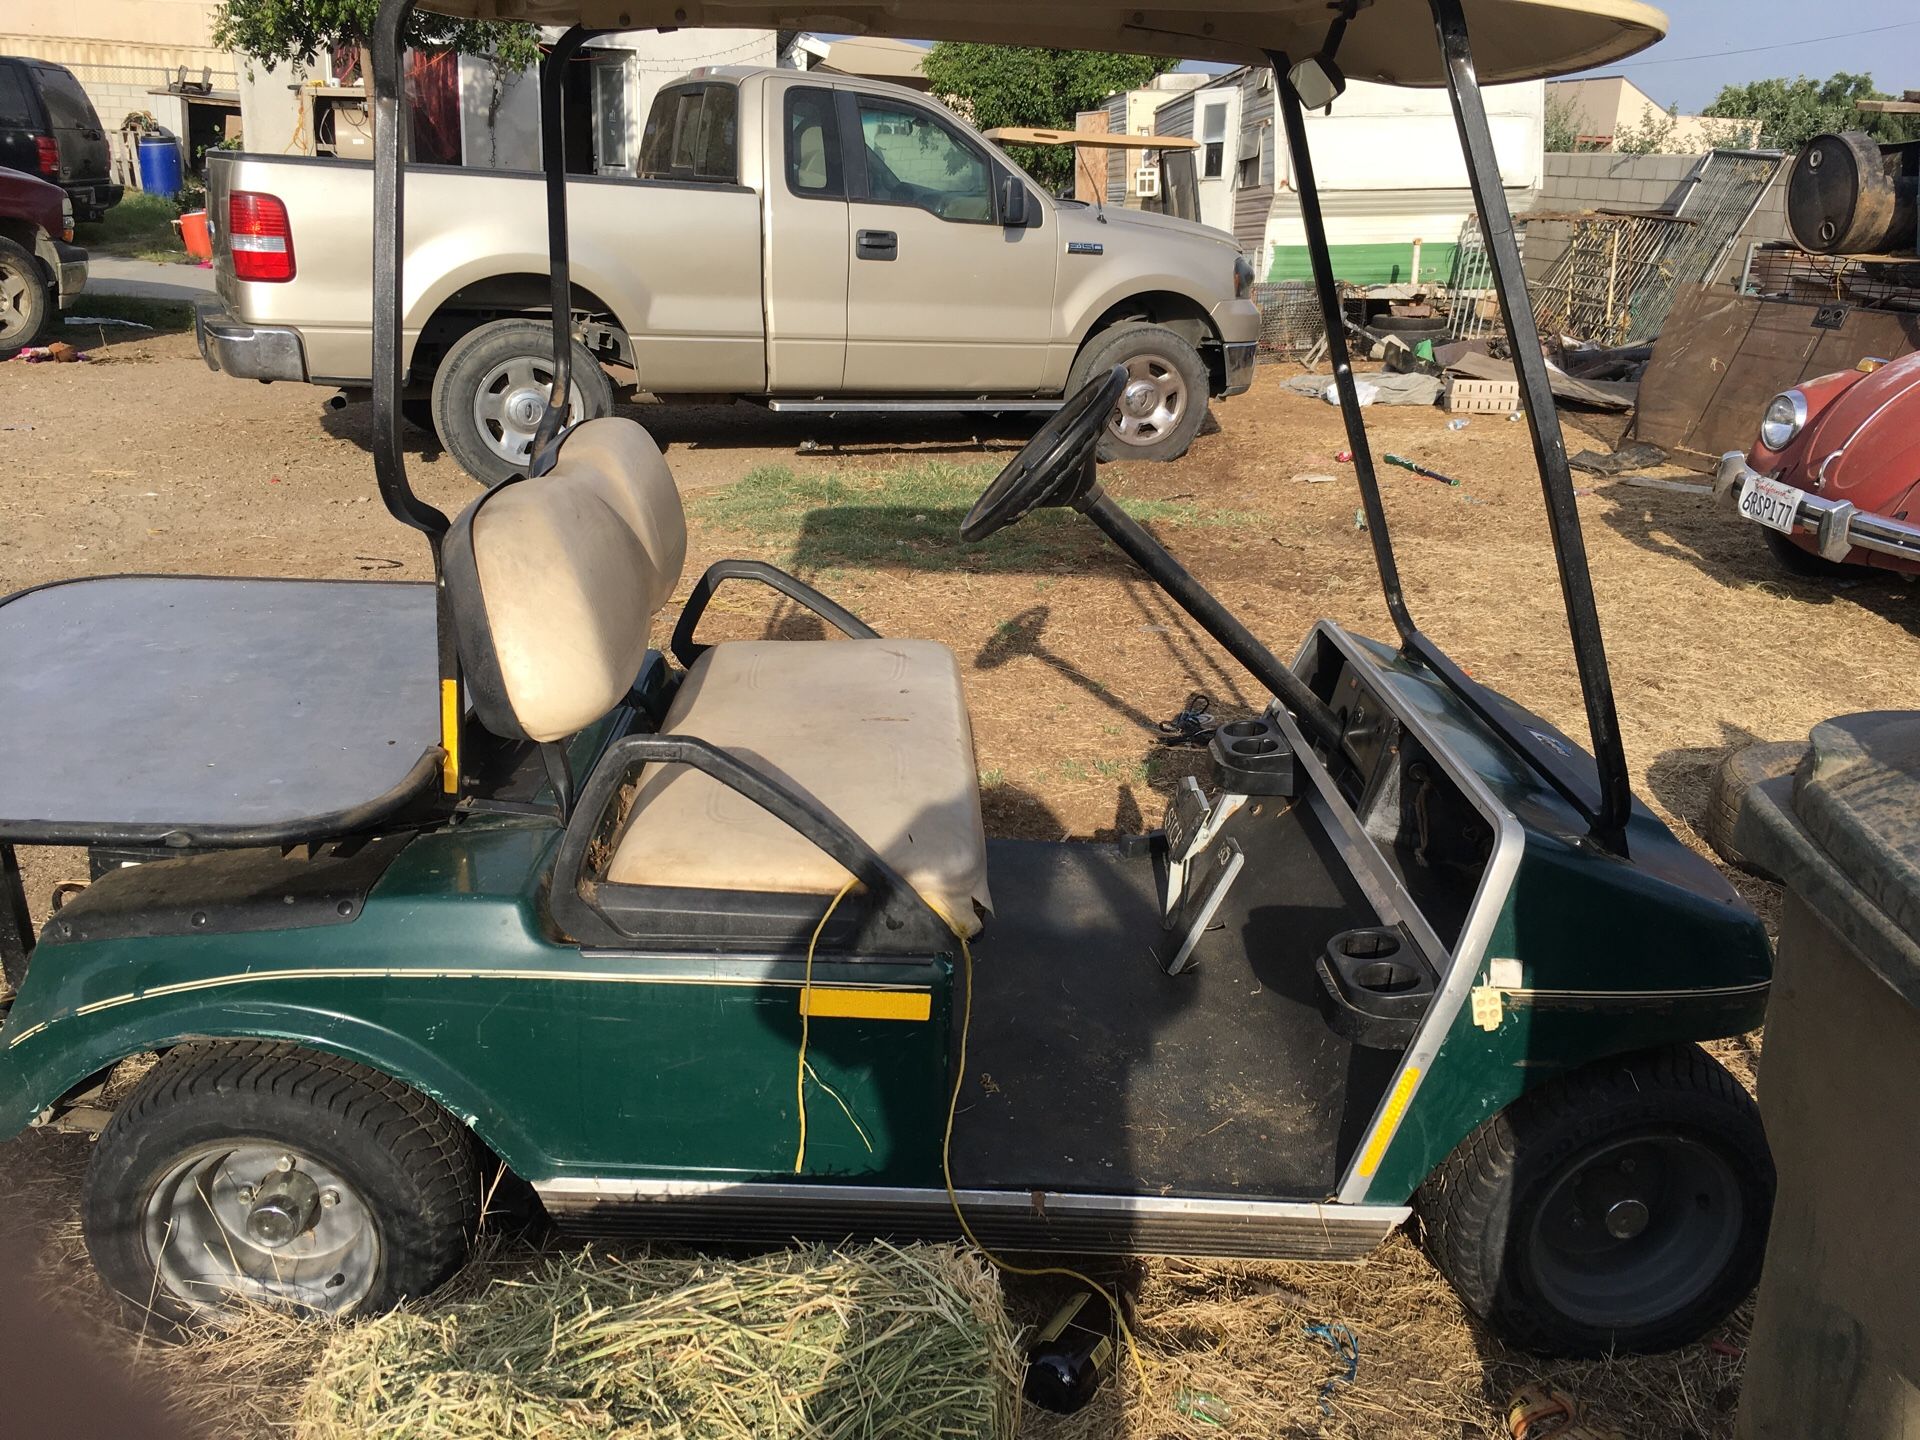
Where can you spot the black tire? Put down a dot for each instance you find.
(1506, 1216)
(1736, 773)
(1795, 561)
(1158, 357)
(490, 356)
(419, 414)
(409, 1166)
(26, 302)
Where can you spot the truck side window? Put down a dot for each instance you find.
(692, 134)
(16, 109)
(813, 144)
(913, 159)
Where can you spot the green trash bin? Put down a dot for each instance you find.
(1835, 1349)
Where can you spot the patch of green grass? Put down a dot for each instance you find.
(140, 226)
(992, 777)
(159, 316)
(910, 516)
(1131, 771)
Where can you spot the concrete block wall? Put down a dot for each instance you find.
(1607, 181)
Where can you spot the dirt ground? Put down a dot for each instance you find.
(144, 461)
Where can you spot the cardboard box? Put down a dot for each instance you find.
(1482, 397)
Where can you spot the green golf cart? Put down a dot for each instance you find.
(408, 883)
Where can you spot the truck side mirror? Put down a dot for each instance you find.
(1013, 202)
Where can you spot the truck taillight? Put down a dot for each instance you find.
(259, 237)
(47, 150)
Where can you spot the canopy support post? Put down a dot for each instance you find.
(390, 126)
(553, 160)
(1543, 424)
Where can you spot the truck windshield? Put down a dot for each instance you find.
(692, 134)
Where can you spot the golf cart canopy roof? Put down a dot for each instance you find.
(1390, 41)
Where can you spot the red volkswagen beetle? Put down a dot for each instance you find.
(1835, 476)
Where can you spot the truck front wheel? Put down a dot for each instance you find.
(1623, 1207)
(26, 304)
(1165, 401)
(254, 1172)
(492, 387)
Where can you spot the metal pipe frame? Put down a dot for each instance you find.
(1605, 796)
(553, 160)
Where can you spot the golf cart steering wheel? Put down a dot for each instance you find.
(1053, 468)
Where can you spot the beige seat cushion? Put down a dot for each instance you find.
(570, 569)
(875, 730)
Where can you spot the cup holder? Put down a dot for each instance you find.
(1252, 757)
(1374, 987)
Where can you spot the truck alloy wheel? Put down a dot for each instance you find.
(258, 1173)
(26, 309)
(491, 390)
(1165, 399)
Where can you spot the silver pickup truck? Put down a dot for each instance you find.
(820, 243)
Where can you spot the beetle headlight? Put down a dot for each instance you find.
(1786, 417)
(1242, 277)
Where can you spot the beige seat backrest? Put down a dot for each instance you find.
(554, 581)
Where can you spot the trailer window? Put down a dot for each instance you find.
(813, 144)
(692, 134)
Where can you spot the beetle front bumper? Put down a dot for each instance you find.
(1838, 526)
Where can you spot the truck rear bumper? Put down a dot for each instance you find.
(248, 352)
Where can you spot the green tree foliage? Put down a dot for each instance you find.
(1015, 85)
(272, 31)
(1791, 112)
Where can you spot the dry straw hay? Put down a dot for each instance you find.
(876, 1342)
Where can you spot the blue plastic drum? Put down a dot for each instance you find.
(160, 166)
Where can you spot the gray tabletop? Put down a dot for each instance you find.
(173, 701)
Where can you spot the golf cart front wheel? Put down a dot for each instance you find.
(491, 390)
(257, 1173)
(1622, 1208)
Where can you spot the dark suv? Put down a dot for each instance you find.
(48, 128)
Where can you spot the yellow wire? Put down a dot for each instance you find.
(953, 1197)
(806, 990)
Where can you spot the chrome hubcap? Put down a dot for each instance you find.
(252, 1222)
(1153, 403)
(510, 401)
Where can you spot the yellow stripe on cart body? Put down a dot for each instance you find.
(823, 1003)
(450, 736)
(1390, 1118)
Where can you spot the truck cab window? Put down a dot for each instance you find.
(912, 159)
(692, 134)
(813, 144)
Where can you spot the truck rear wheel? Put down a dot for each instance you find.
(1165, 401)
(492, 387)
(1621, 1208)
(26, 305)
(255, 1172)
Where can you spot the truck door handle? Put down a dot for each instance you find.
(876, 244)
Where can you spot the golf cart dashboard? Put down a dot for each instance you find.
(1406, 796)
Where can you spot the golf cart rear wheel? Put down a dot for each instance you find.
(1622, 1208)
(26, 305)
(1165, 399)
(253, 1172)
(490, 391)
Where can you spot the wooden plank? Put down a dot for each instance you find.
(1090, 172)
(1889, 107)
(1029, 135)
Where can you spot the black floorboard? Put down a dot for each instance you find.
(1091, 1069)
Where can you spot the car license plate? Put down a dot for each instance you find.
(1772, 503)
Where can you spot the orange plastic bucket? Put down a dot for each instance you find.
(194, 234)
